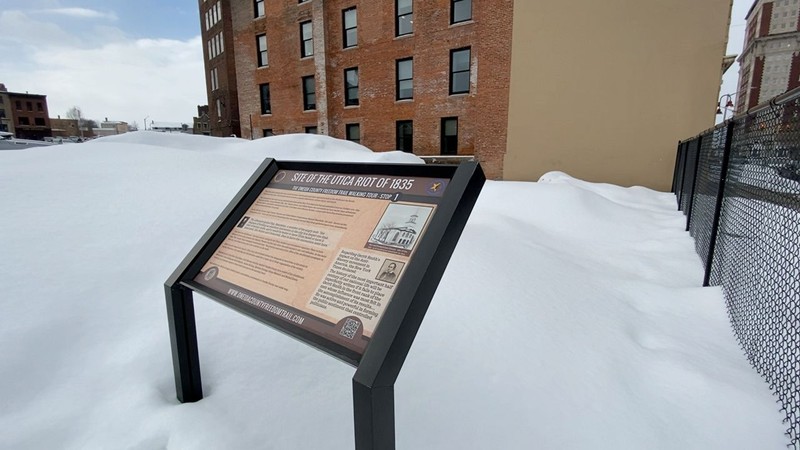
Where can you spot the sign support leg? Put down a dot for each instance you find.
(183, 338)
(374, 417)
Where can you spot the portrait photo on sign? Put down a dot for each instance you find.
(390, 271)
(400, 227)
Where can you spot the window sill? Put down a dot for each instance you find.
(458, 24)
(352, 47)
(263, 67)
(351, 106)
(396, 38)
(309, 110)
(269, 114)
(459, 94)
(404, 100)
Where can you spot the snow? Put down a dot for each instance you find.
(571, 316)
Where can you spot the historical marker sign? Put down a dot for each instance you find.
(327, 253)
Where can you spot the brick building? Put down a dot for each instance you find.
(389, 74)
(27, 113)
(770, 61)
(201, 123)
(221, 86)
(6, 111)
(570, 86)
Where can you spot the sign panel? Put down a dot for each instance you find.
(325, 251)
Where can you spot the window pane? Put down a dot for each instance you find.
(405, 135)
(265, 100)
(351, 76)
(405, 89)
(460, 82)
(308, 48)
(259, 8)
(307, 30)
(405, 24)
(351, 37)
(404, 69)
(353, 132)
(404, 7)
(350, 19)
(461, 60)
(462, 10)
(450, 127)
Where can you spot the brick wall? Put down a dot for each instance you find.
(482, 113)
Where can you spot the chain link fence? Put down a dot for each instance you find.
(739, 186)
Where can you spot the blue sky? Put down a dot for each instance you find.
(124, 60)
(127, 60)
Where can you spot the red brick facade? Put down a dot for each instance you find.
(218, 55)
(30, 115)
(482, 112)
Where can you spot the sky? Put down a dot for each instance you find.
(115, 59)
(571, 314)
(125, 60)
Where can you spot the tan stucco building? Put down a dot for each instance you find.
(604, 90)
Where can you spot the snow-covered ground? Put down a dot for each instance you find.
(570, 317)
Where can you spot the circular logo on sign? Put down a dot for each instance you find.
(210, 274)
(279, 177)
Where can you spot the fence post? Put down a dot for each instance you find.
(681, 170)
(675, 170)
(723, 180)
(690, 205)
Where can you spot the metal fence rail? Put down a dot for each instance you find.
(739, 186)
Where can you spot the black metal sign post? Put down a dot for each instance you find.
(453, 190)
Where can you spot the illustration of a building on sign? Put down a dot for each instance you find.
(401, 236)
(400, 226)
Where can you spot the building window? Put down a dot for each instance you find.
(404, 17)
(19, 105)
(353, 132)
(311, 130)
(261, 45)
(216, 46)
(24, 121)
(266, 108)
(460, 11)
(39, 121)
(214, 79)
(309, 93)
(268, 132)
(259, 8)
(219, 109)
(29, 105)
(349, 30)
(405, 135)
(459, 71)
(405, 79)
(306, 40)
(450, 136)
(39, 107)
(2, 112)
(351, 86)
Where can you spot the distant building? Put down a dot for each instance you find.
(200, 124)
(169, 127)
(602, 90)
(770, 62)
(110, 128)
(28, 115)
(65, 127)
(6, 112)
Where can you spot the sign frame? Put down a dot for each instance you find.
(380, 364)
